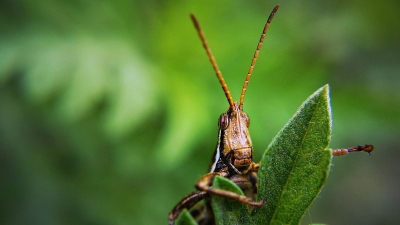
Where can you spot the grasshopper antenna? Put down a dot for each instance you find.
(212, 60)
(253, 61)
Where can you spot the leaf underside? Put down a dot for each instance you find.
(292, 171)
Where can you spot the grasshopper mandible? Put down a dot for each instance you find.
(233, 156)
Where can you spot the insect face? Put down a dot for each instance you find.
(235, 144)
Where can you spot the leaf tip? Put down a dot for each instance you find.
(324, 90)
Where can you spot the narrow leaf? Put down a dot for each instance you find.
(227, 211)
(185, 218)
(295, 165)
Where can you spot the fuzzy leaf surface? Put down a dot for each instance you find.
(227, 211)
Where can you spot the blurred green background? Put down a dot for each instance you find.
(109, 108)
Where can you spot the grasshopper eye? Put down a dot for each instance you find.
(247, 118)
(223, 121)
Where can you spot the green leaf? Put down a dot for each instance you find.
(227, 211)
(185, 218)
(295, 165)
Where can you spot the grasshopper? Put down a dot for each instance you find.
(233, 156)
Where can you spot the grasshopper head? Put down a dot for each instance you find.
(235, 143)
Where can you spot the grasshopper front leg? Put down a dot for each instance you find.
(205, 184)
(360, 148)
(255, 167)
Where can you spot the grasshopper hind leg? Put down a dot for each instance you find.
(186, 203)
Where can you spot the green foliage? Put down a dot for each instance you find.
(227, 211)
(292, 171)
(185, 218)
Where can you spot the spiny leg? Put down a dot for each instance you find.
(205, 182)
(186, 203)
(361, 148)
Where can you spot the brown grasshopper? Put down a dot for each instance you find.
(233, 156)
